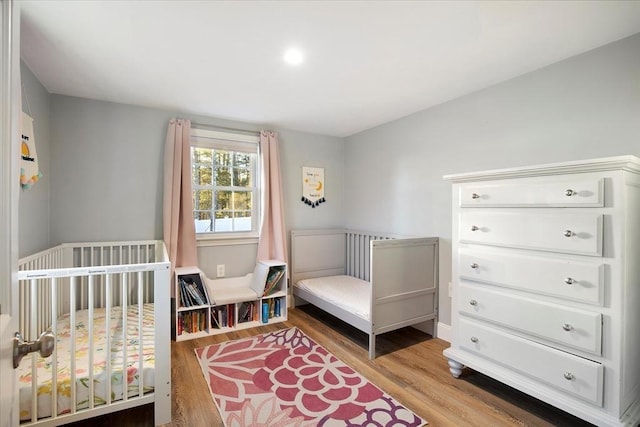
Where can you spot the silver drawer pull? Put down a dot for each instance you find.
(475, 228)
(569, 233)
(474, 266)
(475, 196)
(568, 376)
(569, 281)
(474, 339)
(473, 302)
(567, 327)
(570, 193)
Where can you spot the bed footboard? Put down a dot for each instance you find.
(404, 284)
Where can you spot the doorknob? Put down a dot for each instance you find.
(44, 344)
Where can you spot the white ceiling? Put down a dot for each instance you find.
(366, 62)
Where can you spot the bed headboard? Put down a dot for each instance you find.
(318, 253)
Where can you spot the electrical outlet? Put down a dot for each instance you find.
(220, 272)
(449, 289)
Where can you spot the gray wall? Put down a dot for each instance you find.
(585, 107)
(106, 162)
(106, 184)
(34, 203)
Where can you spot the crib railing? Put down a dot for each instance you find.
(35, 292)
(349, 252)
(72, 277)
(358, 246)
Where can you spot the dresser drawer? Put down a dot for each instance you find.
(575, 192)
(572, 374)
(557, 277)
(572, 327)
(578, 233)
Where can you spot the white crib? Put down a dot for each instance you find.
(108, 305)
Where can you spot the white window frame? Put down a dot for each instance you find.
(240, 142)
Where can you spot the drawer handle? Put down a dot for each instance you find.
(569, 281)
(474, 266)
(567, 327)
(569, 233)
(475, 228)
(568, 376)
(473, 302)
(475, 196)
(570, 193)
(474, 339)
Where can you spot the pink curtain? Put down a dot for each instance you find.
(273, 241)
(179, 227)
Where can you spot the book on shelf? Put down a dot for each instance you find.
(214, 319)
(273, 278)
(230, 313)
(220, 314)
(245, 312)
(183, 296)
(192, 292)
(192, 321)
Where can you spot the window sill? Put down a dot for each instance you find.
(208, 240)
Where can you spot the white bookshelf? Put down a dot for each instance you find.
(233, 303)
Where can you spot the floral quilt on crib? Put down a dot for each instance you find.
(131, 378)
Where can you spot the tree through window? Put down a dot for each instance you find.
(224, 181)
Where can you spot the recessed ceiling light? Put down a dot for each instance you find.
(293, 57)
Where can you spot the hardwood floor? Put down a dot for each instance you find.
(410, 367)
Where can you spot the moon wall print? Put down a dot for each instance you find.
(312, 186)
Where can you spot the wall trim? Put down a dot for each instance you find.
(226, 241)
(444, 331)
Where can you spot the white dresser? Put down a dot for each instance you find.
(546, 283)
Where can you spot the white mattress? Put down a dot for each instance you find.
(347, 292)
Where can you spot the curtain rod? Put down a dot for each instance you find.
(223, 128)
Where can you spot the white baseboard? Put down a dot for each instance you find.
(444, 331)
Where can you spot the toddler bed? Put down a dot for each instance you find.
(107, 305)
(375, 282)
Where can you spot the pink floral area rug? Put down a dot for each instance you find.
(286, 379)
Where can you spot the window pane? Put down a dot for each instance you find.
(201, 155)
(242, 159)
(241, 177)
(202, 200)
(202, 175)
(203, 222)
(223, 158)
(224, 221)
(223, 177)
(223, 200)
(242, 221)
(242, 200)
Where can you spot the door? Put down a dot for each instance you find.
(9, 182)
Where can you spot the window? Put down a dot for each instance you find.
(226, 196)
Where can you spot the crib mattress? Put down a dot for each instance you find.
(347, 292)
(82, 368)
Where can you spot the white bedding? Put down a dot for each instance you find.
(347, 292)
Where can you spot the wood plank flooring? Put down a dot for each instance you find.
(410, 367)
